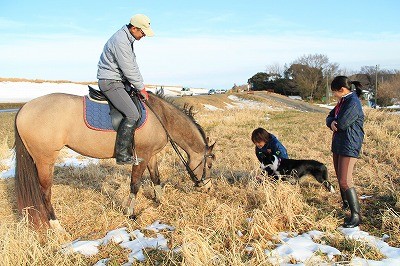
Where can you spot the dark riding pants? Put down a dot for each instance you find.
(116, 92)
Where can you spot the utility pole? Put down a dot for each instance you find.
(376, 86)
(327, 89)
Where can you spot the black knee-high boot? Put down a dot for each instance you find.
(355, 218)
(124, 141)
(344, 200)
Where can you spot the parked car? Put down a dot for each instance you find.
(211, 92)
(186, 92)
(220, 91)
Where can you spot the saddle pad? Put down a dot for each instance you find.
(97, 114)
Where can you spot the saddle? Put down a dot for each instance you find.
(101, 114)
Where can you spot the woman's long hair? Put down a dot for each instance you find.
(343, 81)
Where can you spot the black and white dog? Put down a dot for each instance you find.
(278, 167)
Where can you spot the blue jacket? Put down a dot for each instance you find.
(348, 139)
(276, 149)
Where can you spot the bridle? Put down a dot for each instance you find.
(197, 183)
(193, 177)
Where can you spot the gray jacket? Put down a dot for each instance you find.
(118, 59)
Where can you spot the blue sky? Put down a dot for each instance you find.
(209, 44)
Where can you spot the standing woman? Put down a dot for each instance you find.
(346, 121)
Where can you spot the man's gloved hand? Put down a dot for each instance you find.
(144, 94)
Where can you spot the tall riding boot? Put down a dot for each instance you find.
(124, 142)
(355, 218)
(345, 205)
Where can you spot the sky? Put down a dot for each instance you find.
(200, 44)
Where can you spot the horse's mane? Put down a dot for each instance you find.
(187, 109)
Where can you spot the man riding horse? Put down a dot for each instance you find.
(117, 73)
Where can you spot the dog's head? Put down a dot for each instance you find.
(270, 161)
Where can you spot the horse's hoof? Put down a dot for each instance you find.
(158, 193)
(132, 217)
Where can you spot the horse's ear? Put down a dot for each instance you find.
(210, 148)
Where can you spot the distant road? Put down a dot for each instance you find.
(9, 110)
(296, 104)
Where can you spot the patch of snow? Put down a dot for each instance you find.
(11, 92)
(392, 253)
(10, 172)
(156, 227)
(135, 241)
(295, 97)
(211, 107)
(300, 248)
(327, 106)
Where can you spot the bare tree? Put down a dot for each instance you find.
(389, 90)
(313, 60)
(345, 72)
(370, 74)
(307, 78)
(309, 71)
(275, 70)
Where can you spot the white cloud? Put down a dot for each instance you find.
(202, 61)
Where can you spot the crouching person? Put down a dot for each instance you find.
(267, 144)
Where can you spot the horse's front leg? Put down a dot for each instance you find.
(136, 175)
(152, 167)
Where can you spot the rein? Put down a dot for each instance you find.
(193, 177)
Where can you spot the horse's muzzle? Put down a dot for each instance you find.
(204, 185)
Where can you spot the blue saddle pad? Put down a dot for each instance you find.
(97, 114)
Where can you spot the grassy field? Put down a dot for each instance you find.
(88, 201)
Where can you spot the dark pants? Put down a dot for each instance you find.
(116, 92)
(344, 170)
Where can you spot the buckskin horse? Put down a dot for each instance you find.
(43, 126)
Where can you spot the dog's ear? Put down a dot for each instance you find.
(268, 158)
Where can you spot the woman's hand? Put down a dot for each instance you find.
(334, 126)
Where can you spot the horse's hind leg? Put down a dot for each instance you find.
(152, 167)
(45, 173)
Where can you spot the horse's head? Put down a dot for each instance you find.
(202, 172)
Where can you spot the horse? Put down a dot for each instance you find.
(43, 126)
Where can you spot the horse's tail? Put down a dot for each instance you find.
(30, 198)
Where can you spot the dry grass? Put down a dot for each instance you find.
(88, 201)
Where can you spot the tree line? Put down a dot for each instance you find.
(310, 75)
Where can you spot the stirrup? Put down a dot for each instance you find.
(136, 160)
(126, 161)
